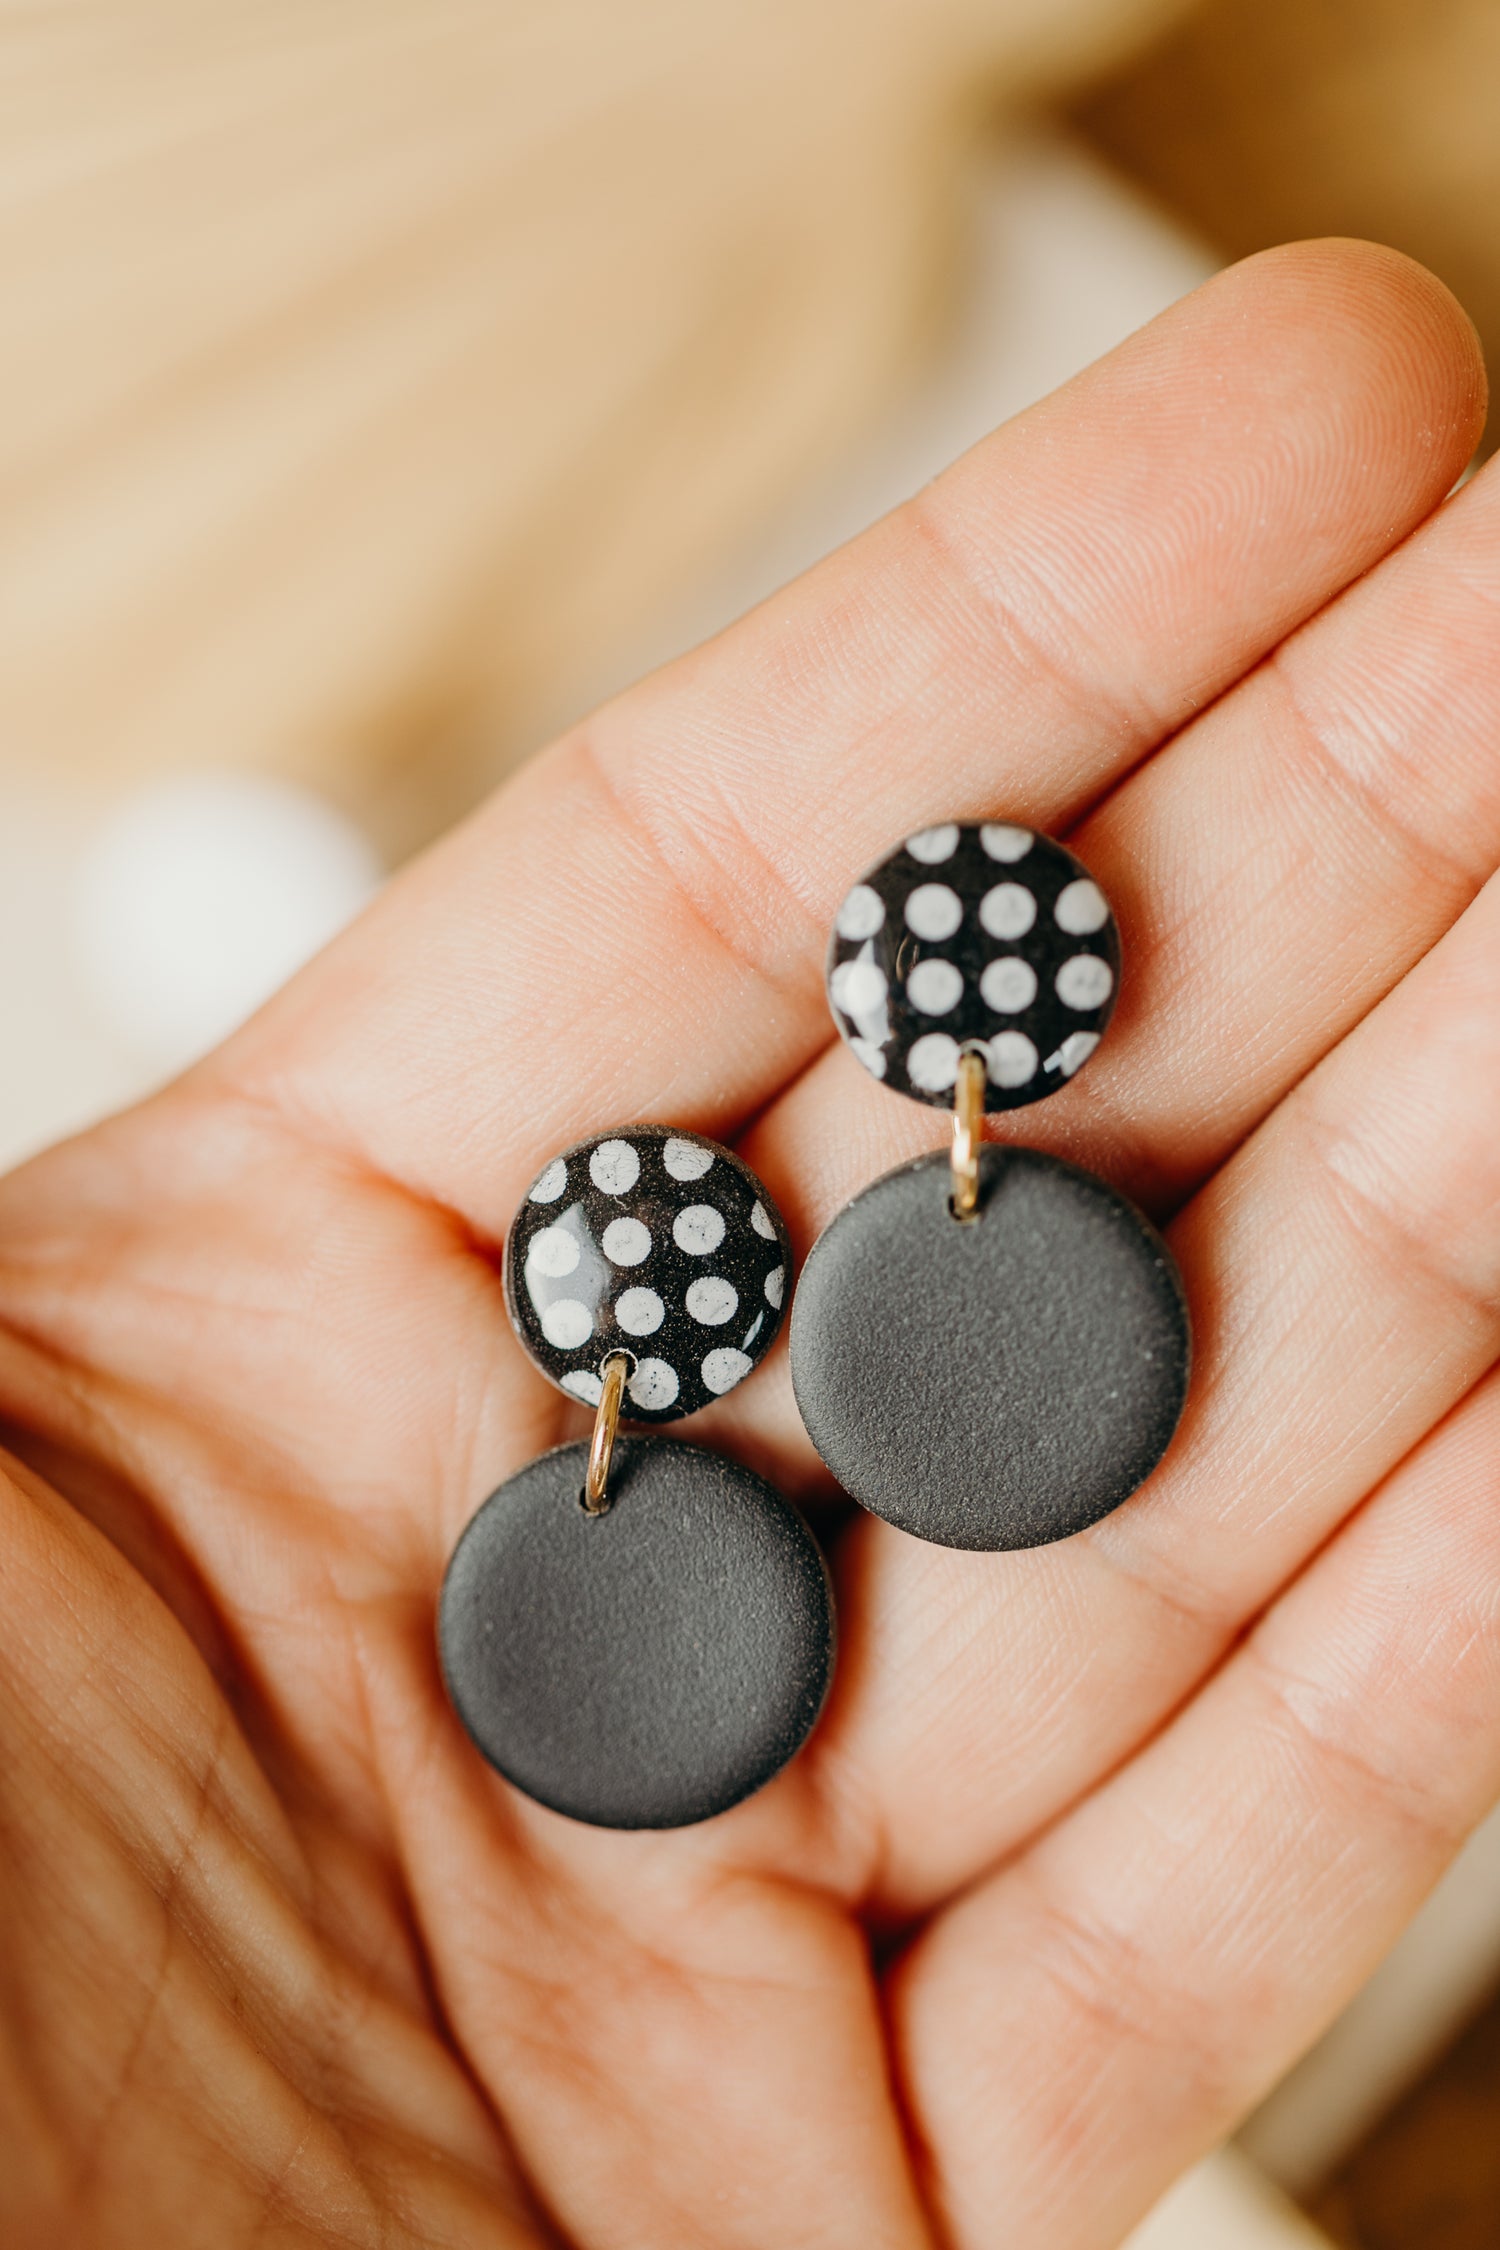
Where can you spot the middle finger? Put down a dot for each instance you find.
(1276, 871)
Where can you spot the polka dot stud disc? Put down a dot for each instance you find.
(974, 935)
(999, 1384)
(647, 1667)
(658, 1244)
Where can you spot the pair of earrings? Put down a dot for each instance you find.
(989, 1349)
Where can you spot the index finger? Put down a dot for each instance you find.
(635, 927)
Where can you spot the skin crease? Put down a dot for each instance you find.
(1092, 1841)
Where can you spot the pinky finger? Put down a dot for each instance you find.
(1078, 2029)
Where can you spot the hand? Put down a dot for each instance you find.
(1092, 1840)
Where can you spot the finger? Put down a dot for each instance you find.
(1080, 2028)
(1344, 1273)
(685, 2052)
(171, 2025)
(1317, 362)
(1148, 548)
(686, 2047)
(465, 1073)
(1275, 869)
(636, 926)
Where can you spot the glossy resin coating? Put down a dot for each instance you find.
(1001, 1383)
(985, 935)
(647, 1667)
(655, 1243)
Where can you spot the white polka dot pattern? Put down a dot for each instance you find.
(932, 1063)
(934, 987)
(653, 1387)
(1012, 1059)
(640, 1312)
(661, 1245)
(626, 1242)
(933, 911)
(614, 1167)
(553, 1252)
(1007, 911)
(974, 935)
(1084, 982)
(998, 840)
(859, 987)
(686, 1160)
(1081, 908)
(567, 1323)
(723, 1368)
(698, 1229)
(933, 845)
(862, 912)
(712, 1299)
(1008, 985)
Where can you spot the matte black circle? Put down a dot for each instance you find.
(656, 1243)
(648, 1667)
(979, 935)
(1001, 1383)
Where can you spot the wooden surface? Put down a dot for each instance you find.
(371, 368)
(1262, 120)
(1428, 2177)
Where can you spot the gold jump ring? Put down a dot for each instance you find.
(602, 1443)
(968, 1126)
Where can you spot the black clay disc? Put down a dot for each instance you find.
(998, 1384)
(648, 1667)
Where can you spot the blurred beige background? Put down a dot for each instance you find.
(1262, 120)
(386, 383)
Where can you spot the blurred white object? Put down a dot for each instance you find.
(59, 1068)
(200, 895)
(1225, 2204)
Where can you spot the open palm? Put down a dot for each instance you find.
(1091, 1840)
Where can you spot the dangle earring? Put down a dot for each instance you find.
(991, 1349)
(635, 1632)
